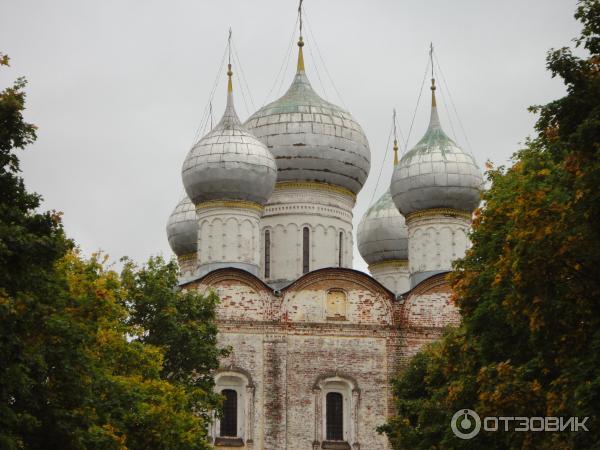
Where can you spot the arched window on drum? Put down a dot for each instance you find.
(341, 250)
(305, 250)
(267, 253)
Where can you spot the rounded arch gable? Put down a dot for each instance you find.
(366, 300)
(242, 296)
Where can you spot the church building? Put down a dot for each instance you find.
(267, 225)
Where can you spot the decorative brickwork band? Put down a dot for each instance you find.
(316, 186)
(391, 263)
(186, 258)
(237, 204)
(187, 263)
(436, 212)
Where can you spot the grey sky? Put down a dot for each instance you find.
(117, 88)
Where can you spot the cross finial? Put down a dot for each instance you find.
(229, 45)
(300, 17)
(431, 62)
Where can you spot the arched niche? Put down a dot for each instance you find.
(328, 389)
(238, 381)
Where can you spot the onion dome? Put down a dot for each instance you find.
(436, 173)
(229, 163)
(182, 228)
(382, 233)
(312, 139)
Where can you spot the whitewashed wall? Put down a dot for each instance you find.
(325, 213)
(434, 242)
(228, 237)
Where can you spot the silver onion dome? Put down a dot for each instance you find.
(182, 228)
(229, 163)
(312, 139)
(382, 233)
(436, 173)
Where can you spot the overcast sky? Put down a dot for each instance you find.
(117, 88)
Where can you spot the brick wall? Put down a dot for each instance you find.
(286, 343)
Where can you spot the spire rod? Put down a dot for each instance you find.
(230, 118)
(300, 67)
(395, 141)
(229, 72)
(433, 102)
(434, 120)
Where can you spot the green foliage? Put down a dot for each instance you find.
(182, 324)
(529, 288)
(91, 359)
(30, 244)
(122, 402)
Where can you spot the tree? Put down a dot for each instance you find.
(131, 405)
(30, 245)
(529, 288)
(84, 360)
(182, 324)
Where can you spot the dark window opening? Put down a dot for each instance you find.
(341, 248)
(305, 249)
(267, 254)
(229, 419)
(335, 416)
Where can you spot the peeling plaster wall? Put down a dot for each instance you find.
(309, 305)
(360, 358)
(332, 324)
(423, 315)
(434, 310)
